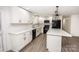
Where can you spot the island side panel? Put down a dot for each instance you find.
(54, 43)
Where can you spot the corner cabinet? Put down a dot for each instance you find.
(19, 41)
(20, 15)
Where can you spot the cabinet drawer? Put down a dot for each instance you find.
(18, 36)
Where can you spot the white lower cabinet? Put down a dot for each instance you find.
(27, 37)
(17, 42)
(54, 43)
(20, 40)
(38, 31)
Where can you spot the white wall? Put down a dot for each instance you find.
(75, 25)
(6, 16)
(67, 24)
(71, 24)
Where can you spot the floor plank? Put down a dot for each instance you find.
(70, 44)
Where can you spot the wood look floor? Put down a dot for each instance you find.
(39, 44)
(70, 44)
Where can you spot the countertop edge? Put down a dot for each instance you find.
(20, 32)
(61, 33)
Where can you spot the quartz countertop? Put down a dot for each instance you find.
(20, 32)
(23, 31)
(58, 32)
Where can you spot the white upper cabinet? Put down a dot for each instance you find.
(20, 15)
(41, 20)
(35, 19)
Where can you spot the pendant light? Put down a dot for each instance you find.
(56, 13)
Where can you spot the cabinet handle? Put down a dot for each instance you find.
(24, 38)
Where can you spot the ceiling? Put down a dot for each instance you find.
(49, 10)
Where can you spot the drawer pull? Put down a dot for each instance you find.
(24, 38)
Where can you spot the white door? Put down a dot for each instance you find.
(0, 35)
(0, 43)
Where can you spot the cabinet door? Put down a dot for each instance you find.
(25, 39)
(18, 41)
(16, 15)
(28, 37)
(20, 16)
(38, 31)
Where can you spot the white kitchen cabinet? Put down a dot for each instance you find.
(35, 19)
(20, 40)
(54, 43)
(27, 37)
(38, 31)
(17, 41)
(20, 15)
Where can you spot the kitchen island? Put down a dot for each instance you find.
(54, 39)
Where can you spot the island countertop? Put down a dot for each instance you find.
(58, 32)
